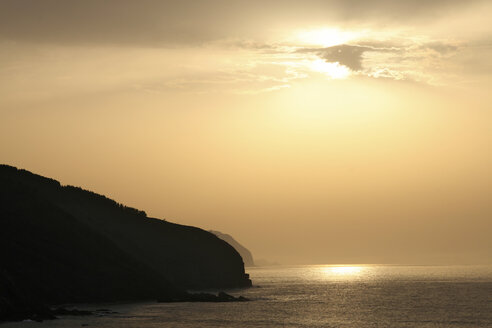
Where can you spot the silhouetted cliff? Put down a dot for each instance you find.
(61, 244)
(243, 251)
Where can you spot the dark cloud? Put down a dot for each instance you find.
(167, 22)
(344, 54)
(352, 55)
(347, 55)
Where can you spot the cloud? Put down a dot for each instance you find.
(113, 22)
(440, 47)
(402, 11)
(352, 55)
(254, 78)
(158, 23)
(347, 55)
(419, 60)
(234, 35)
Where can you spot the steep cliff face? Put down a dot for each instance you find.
(243, 251)
(65, 244)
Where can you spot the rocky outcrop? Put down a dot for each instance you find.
(205, 297)
(66, 245)
(243, 251)
(15, 305)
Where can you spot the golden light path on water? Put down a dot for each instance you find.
(343, 271)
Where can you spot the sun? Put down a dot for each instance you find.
(324, 37)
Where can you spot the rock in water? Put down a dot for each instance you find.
(204, 297)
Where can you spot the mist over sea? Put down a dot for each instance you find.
(323, 296)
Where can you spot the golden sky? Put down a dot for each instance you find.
(312, 131)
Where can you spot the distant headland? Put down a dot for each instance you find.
(243, 251)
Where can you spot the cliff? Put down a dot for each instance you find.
(62, 244)
(243, 251)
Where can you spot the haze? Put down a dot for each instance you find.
(311, 131)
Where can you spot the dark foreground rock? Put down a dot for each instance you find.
(65, 245)
(35, 312)
(20, 312)
(204, 297)
(16, 305)
(64, 311)
(40, 313)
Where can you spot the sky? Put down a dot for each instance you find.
(327, 132)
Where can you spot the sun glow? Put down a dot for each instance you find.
(325, 37)
(332, 70)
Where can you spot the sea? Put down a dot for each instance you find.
(348, 296)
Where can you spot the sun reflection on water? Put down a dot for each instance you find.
(343, 271)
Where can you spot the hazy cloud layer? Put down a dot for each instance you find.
(164, 23)
(388, 49)
(398, 58)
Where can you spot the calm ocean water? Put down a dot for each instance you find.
(324, 296)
